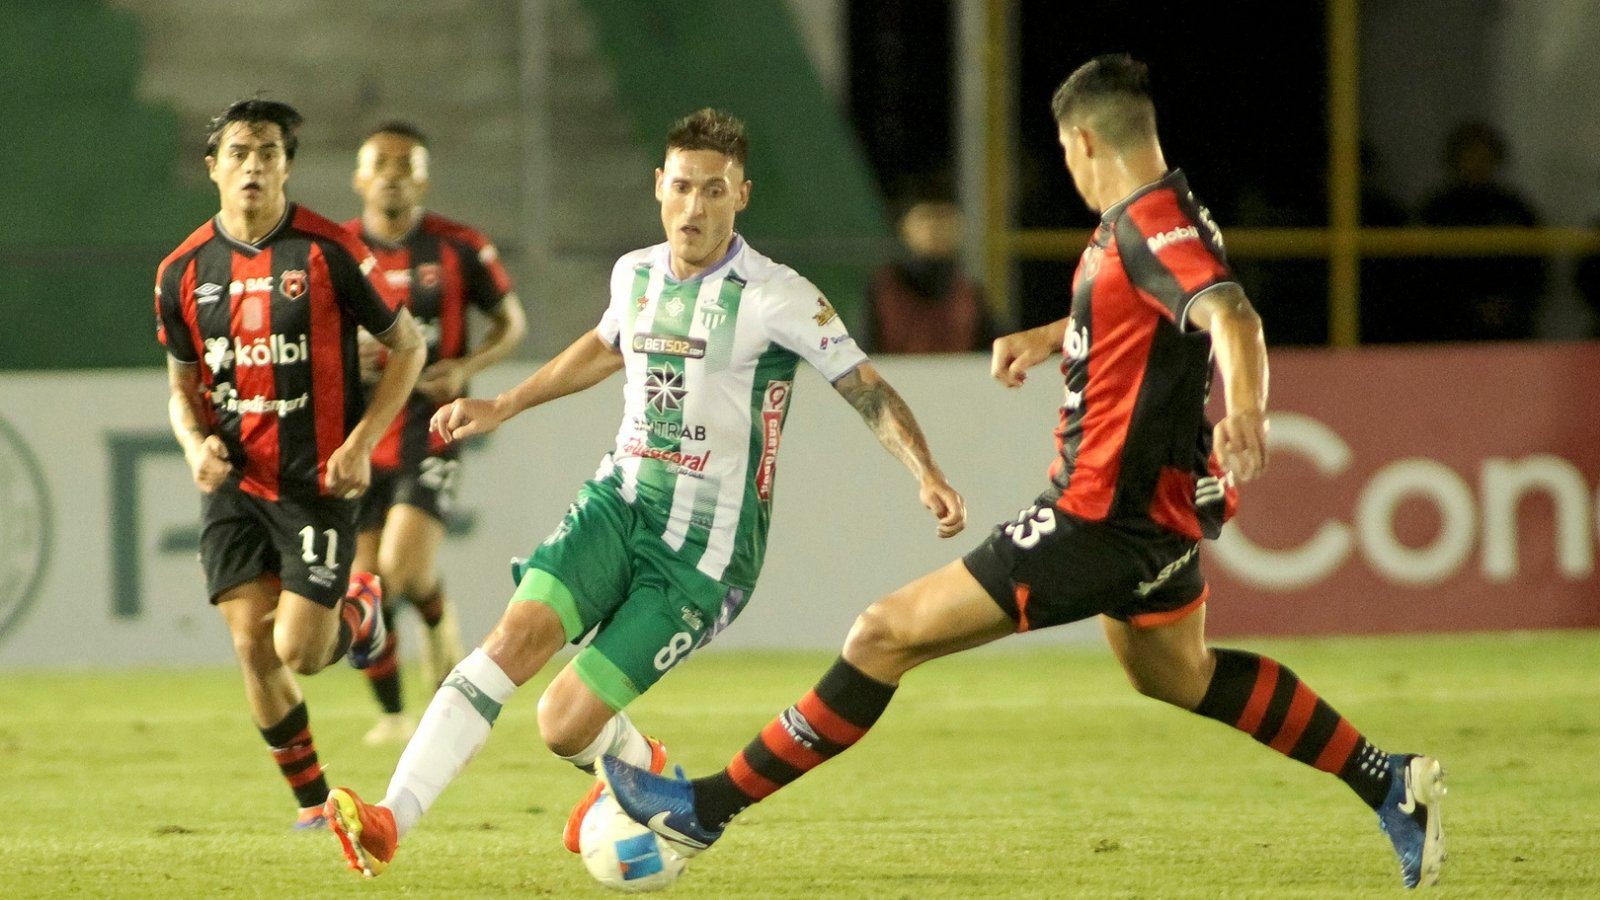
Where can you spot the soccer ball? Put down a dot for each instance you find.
(623, 855)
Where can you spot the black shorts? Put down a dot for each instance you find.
(243, 537)
(1050, 568)
(430, 487)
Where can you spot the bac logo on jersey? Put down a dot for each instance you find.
(428, 276)
(292, 284)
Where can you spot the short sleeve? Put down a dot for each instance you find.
(485, 278)
(359, 288)
(171, 330)
(609, 328)
(1171, 250)
(801, 320)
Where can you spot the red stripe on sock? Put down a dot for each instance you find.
(829, 724)
(1294, 722)
(750, 782)
(301, 779)
(1260, 696)
(777, 739)
(1340, 746)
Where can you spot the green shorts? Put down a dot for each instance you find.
(607, 568)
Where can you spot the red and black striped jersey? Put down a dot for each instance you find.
(272, 326)
(1134, 442)
(439, 268)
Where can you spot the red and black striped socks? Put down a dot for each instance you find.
(1268, 702)
(296, 756)
(827, 721)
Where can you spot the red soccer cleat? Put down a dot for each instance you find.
(369, 640)
(569, 836)
(365, 831)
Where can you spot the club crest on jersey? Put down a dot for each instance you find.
(825, 312)
(713, 313)
(292, 283)
(428, 276)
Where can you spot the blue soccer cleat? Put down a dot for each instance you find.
(1410, 817)
(663, 805)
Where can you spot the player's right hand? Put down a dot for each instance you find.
(464, 418)
(1014, 354)
(1240, 441)
(209, 464)
(946, 505)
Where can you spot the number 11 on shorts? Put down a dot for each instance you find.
(308, 544)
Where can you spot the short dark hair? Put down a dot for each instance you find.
(710, 129)
(1110, 94)
(253, 110)
(397, 126)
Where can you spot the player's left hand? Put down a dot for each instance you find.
(946, 505)
(443, 381)
(349, 471)
(1240, 440)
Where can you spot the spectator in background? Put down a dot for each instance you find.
(924, 302)
(1480, 299)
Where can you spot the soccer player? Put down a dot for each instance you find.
(661, 549)
(1138, 481)
(440, 268)
(258, 310)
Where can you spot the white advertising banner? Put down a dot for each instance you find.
(98, 516)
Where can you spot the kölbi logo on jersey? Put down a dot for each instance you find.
(273, 350)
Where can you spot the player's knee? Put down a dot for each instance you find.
(878, 635)
(300, 660)
(255, 649)
(562, 730)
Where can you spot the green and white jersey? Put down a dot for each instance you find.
(710, 364)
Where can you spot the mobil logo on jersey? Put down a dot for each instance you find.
(774, 400)
(1465, 500)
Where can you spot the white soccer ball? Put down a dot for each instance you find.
(623, 855)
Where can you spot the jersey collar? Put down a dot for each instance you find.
(1174, 179)
(734, 247)
(269, 237)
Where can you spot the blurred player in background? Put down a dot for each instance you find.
(439, 268)
(1134, 488)
(258, 310)
(661, 550)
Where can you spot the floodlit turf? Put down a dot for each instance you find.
(1037, 773)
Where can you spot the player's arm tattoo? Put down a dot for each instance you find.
(886, 413)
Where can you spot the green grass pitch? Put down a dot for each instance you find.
(1035, 773)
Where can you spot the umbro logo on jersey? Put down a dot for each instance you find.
(292, 284)
(209, 292)
(669, 345)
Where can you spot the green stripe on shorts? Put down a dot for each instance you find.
(602, 676)
(540, 586)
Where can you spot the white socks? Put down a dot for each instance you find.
(451, 732)
(618, 737)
